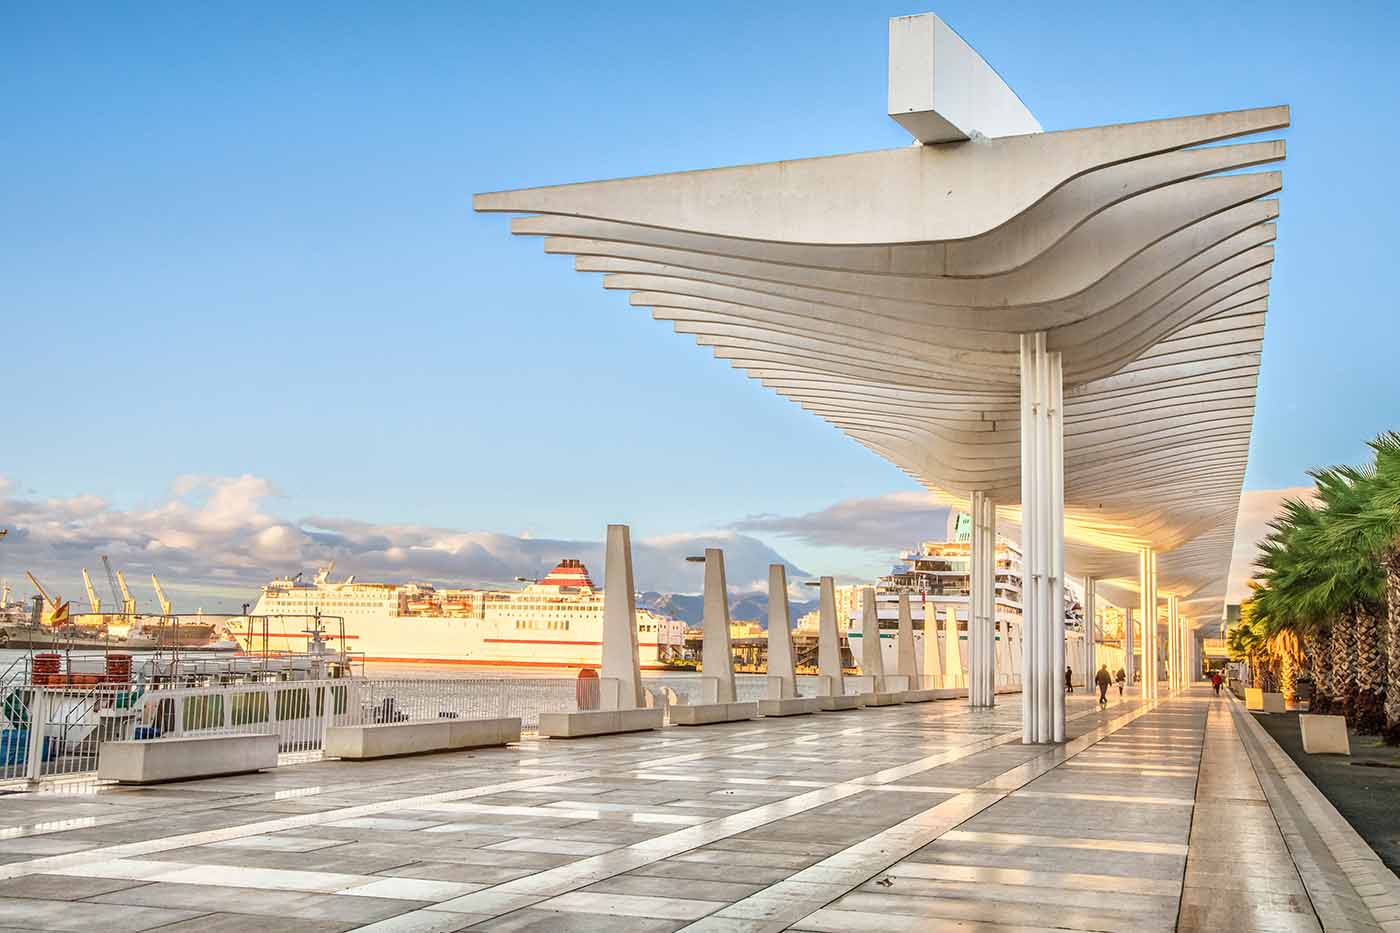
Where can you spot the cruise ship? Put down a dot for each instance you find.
(556, 622)
(938, 578)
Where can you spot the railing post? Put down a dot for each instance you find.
(177, 714)
(39, 704)
(327, 710)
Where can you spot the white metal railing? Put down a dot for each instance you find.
(49, 732)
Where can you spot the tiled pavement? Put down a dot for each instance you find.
(930, 817)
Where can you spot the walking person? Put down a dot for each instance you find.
(1069, 680)
(1216, 681)
(1120, 679)
(1102, 680)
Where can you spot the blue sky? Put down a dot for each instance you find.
(237, 239)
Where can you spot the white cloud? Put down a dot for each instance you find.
(883, 523)
(213, 542)
(1257, 509)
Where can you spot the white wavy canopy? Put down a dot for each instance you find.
(887, 291)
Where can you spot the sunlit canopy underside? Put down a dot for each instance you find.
(886, 292)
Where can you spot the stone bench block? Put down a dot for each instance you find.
(1274, 703)
(599, 722)
(929, 694)
(385, 740)
(1324, 735)
(790, 706)
(707, 714)
(1254, 699)
(184, 757)
(837, 704)
(882, 699)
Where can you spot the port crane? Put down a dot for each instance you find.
(58, 614)
(125, 602)
(53, 603)
(160, 597)
(128, 601)
(93, 599)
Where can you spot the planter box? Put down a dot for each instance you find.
(1254, 699)
(838, 703)
(1324, 735)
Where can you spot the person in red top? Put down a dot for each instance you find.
(1216, 681)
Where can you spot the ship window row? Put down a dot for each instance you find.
(522, 625)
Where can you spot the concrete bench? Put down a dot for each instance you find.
(708, 714)
(878, 698)
(835, 704)
(790, 706)
(182, 758)
(928, 694)
(385, 740)
(599, 722)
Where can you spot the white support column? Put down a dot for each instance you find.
(1147, 606)
(1091, 628)
(621, 654)
(1129, 644)
(981, 624)
(1043, 542)
(781, 660)
(829, 640)
(716, 655)
(872, 658)
(1174, 653)
(908, 665)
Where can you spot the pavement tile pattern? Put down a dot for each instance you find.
(1178, 815)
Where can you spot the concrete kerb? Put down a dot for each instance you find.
(1321, 842)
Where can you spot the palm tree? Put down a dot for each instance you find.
(1248, 641)
(1317, 648)
(1288, 596)
(1373, 530)
(1355, 589)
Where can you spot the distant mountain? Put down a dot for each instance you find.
(749, 607)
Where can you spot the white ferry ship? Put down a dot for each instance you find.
(554, 622)
(938, 579)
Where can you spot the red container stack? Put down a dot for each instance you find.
(118, 668)
(46, 667)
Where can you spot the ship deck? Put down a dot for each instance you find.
(1176, 815)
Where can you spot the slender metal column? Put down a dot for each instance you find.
(1129, 644)
(1147, 603)
(1043, 542)
(1091, 629)
(981, 628)
(1174, 655)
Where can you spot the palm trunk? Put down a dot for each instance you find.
(1369, 705)
(1392, 692)
(1344, 665)
(1288, 679)
(1319, 648)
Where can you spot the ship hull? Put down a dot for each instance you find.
(443, 640)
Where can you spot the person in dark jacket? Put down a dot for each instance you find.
(1120, 679)
(1102, 680)
(1069, 680)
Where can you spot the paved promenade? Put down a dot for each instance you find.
(930, 817)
